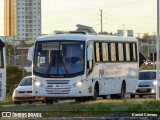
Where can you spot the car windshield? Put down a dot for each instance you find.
(26, 82)
(59, 58)
(147, 75)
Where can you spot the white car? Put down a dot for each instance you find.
(146, 83)
(23, 92)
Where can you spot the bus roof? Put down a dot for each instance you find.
(83, 37)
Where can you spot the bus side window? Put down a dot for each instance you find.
(113, 52)
(120, 52)
(127, 52)
(105, 54)
(134, 55)
(97, 51)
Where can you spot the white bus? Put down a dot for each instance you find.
(2, 71)
(84, 66)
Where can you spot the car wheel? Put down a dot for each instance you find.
(17, 102)
(56, 100)
(30, 102)
(141, 96)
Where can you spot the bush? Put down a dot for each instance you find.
(14, 76)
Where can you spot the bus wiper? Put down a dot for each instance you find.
(51, 64)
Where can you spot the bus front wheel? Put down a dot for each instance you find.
(95, 94)
(48, 101)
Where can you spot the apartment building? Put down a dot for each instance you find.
(22, 19)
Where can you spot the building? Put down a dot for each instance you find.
(9, 18)
(125, 33)
(22, 19)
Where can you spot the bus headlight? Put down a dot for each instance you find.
(38, 84)
(78, 84)
(154, 83)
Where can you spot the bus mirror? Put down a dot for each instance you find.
(1, 44)
(89, 53)
(30, 53)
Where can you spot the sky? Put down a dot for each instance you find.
(137, 15)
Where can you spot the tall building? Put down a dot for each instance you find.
(22, 19)
(9, 17)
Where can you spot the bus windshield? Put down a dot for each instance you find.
(59, 58)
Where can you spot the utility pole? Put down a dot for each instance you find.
(154, 50)
(158, 43)
(101, 21)
(148, 48)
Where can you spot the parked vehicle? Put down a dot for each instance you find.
(23, 92)
(148, 62)
(146, 84)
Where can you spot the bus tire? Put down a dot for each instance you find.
(95, 94)
(113, 96)
(17, 102)
(132, 96)
(121, 95)
(104, 97)
(48, 101)
(141, 96)
(30, 102)
(123, 91)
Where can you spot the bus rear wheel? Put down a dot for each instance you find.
(123, 91)
(132, 96)
(121, 95)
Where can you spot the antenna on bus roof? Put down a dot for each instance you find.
(86, 29)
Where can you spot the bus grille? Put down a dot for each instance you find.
(57, 81)
(57, 87)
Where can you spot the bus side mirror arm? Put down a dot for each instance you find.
(30, 53)
(89, 53)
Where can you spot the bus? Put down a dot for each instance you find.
(2, 71)
(84, 67)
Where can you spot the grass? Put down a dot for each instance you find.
(91, 108)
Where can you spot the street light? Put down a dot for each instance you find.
(158, 29)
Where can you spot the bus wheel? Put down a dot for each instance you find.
(94, 97)
(17, 102)
(48, 101)
(132, 96)
(30, 102)
(104, 97)
(141, 96)
(56, 100)
(113, 96)
(123, 90)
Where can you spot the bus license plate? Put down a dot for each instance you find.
(57, 91)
